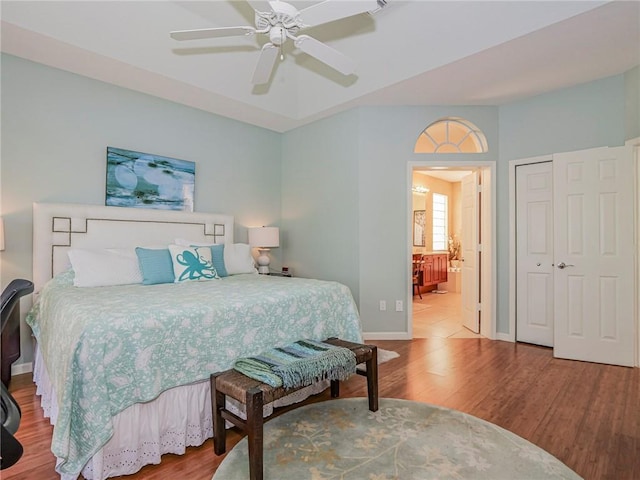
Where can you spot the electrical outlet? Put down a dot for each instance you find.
(383, 305)
(398, 305)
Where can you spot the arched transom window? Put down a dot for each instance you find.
(451, 135)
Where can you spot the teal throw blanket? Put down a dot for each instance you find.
(299, 364)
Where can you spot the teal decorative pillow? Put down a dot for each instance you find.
(217, 258)
(192, 263)
(156, 265)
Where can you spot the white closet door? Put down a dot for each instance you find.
(534, 250)
(594, 255)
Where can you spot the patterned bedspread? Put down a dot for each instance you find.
(107, 348)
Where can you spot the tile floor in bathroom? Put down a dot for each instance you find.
(439, 315)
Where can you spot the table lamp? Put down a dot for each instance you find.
(264, 238)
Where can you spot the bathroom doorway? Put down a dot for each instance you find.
(446, 307)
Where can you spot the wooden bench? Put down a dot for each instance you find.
(254, 394)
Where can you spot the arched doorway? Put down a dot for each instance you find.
(441, 185)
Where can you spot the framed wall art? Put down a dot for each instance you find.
(419, 217)
(144, 180)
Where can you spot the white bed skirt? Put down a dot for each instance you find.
(176, 419)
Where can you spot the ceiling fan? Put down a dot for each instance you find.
(280, 21)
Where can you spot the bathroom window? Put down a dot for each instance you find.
(440, 223)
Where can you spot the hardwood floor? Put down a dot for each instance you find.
(585, 414)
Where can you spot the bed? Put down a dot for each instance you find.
(122, 370)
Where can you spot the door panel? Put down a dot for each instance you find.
(534, 250)
(575, 301)
(470, 278)
(594, 227)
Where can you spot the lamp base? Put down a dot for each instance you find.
(263, 261)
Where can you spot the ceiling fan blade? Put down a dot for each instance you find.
(265, 64)
(328, 11)
(211, 33)
(260, 5)
(325, 54)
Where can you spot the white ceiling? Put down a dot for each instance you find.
(409, 53)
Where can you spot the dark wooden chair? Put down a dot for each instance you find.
(417, 275)
(10, 413)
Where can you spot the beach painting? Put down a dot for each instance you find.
(144, 180)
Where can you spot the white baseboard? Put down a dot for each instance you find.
(386, 336)
(505, 337)
(20, 368)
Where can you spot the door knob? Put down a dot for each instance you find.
(562, 265)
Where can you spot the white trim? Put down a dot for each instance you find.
(636, 204)
(409, 255)
(20, 368)
(511, 336)
(488, 256)
(636, 143)
(505, 337)
(386, 335)
(488, 320)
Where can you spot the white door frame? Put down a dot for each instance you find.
(511, 336)
(636, 143)
(488, 321)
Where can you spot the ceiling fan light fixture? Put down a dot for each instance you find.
(277, 36)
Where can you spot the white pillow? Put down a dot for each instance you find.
(192, 263)
(238, 259)
(102, 268)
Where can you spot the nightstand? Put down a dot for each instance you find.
(281, 274)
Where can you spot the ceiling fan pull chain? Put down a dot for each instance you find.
(282, 36)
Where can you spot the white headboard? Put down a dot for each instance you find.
(58, 227)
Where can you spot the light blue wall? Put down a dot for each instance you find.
(320, 199)
(387, 139)
(55, 130)
(344, 200)
(584, 116)
(632, 103)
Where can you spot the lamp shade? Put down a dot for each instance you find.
(265, 237)
(1, 234)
